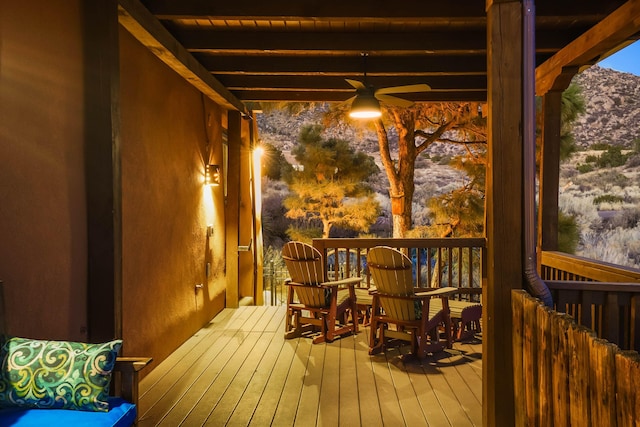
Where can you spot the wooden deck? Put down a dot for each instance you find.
(239, 370)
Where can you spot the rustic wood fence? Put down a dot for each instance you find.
(565, 376)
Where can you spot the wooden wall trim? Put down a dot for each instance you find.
(232, 214)
(149, 31)
(102, 170)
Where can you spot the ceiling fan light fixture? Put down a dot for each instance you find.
(365, 106)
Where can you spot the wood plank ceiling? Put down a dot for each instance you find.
(279, 50)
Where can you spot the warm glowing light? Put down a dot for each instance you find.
(365, 106)
(212, 175)
(257, 182)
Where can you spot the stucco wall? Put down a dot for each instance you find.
(43, 252)
(169, 131)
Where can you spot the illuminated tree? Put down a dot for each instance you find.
(329, 186)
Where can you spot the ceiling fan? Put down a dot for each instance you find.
(366, 103)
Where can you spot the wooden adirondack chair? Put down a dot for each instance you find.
(313, 302)
(397, 303)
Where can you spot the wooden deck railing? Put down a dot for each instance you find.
(437, 262)
(562, 266)
(601, 296)
(565, 376)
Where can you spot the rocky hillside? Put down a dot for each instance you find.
(613, 108)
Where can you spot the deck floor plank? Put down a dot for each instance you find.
(181, 378)
(446, 397)
(272, 394)
(307, 411)
(255, 390)
(196, 381)
(370, 413)
(190, 350)
(349, 407)
(387, 395)
(285, 414)
(410, 404)
(232, 360)
(240, 371)
(234, 392)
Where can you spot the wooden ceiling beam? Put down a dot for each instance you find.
(352, 43)
(318, 9)
(468, 42)
(148, 30)
(424, 65)
(320, 96)
(376, 10)
(246, 82)
(612, 31)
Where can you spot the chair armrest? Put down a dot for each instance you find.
(341, 282)
(433, 292)
(126, 370)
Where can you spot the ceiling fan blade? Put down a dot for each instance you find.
(404, 89)
(348, 101)
(394, 100)
(355, 83)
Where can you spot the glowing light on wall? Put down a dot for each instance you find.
(212, 175)
(257, 170)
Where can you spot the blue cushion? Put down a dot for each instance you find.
(121, 414)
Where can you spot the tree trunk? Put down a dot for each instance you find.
(401, 185)
(326, 228)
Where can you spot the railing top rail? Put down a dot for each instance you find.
(368, 243)
(589, 268)
(573, 285)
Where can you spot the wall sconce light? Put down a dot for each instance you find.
(212, 175)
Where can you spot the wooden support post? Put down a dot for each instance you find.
(504, 207)
(232, 217)
(102, 170)
(549, 172)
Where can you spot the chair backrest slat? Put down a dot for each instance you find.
(391, 273)
(305, 266)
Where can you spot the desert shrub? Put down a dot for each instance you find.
(607, 198)
(568, 233)
(626, 219)
(422, 162)
(612, 178)
(591, 159)
(633, 161)
(273, 258)
(568, 173)
(617, 246)
(580, 207)
(445, 160)
(601, 146)
(274, 221)
(611, 158)
(584, 168)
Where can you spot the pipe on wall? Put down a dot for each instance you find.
(536, 286)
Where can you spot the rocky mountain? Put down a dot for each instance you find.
(613, 108)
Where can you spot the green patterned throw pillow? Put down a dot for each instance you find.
(56, 374)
